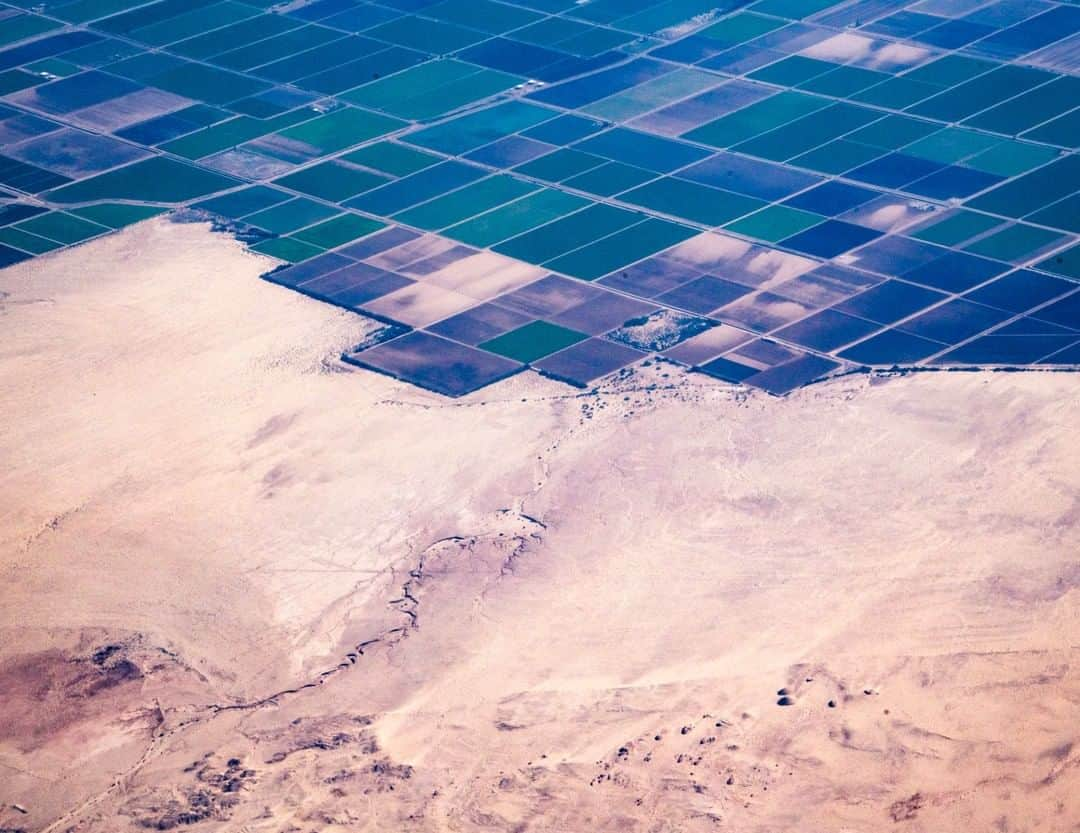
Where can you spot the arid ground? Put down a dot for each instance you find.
(245, 587)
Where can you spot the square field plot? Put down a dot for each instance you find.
(587, 361)
(568, 233)
(418, 304)
(153, 180)
(1010, 350)
(336, 131)
(892, 348)
(338, 231)
(480, 324)
(291, 215)
(691, 201)
(827, 330)
(707, 345)
(602, 312)
(619, 249)
(533, 341)
(62, 228)
(354, 286)
(890, 301)
(75, 154)
(431, 89)
(791, 375)
(829, 239)
(549, 296)
(436, 363)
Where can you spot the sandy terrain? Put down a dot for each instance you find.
(246, 588)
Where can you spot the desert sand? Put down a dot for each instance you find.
(246, 587)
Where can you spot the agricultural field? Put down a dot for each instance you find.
(768, 192)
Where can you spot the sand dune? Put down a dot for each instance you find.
(245, 587)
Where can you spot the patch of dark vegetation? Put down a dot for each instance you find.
(102, 654)
(906, 808)
(559, 377)
(223, 225)
(660, 330)
(109, 666)
(907, 370)
(389, 768)
(384, 333)
(323, 735)
(102, 681)
(214, 794)
(334, 741)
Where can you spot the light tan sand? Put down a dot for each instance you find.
(573, 612)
